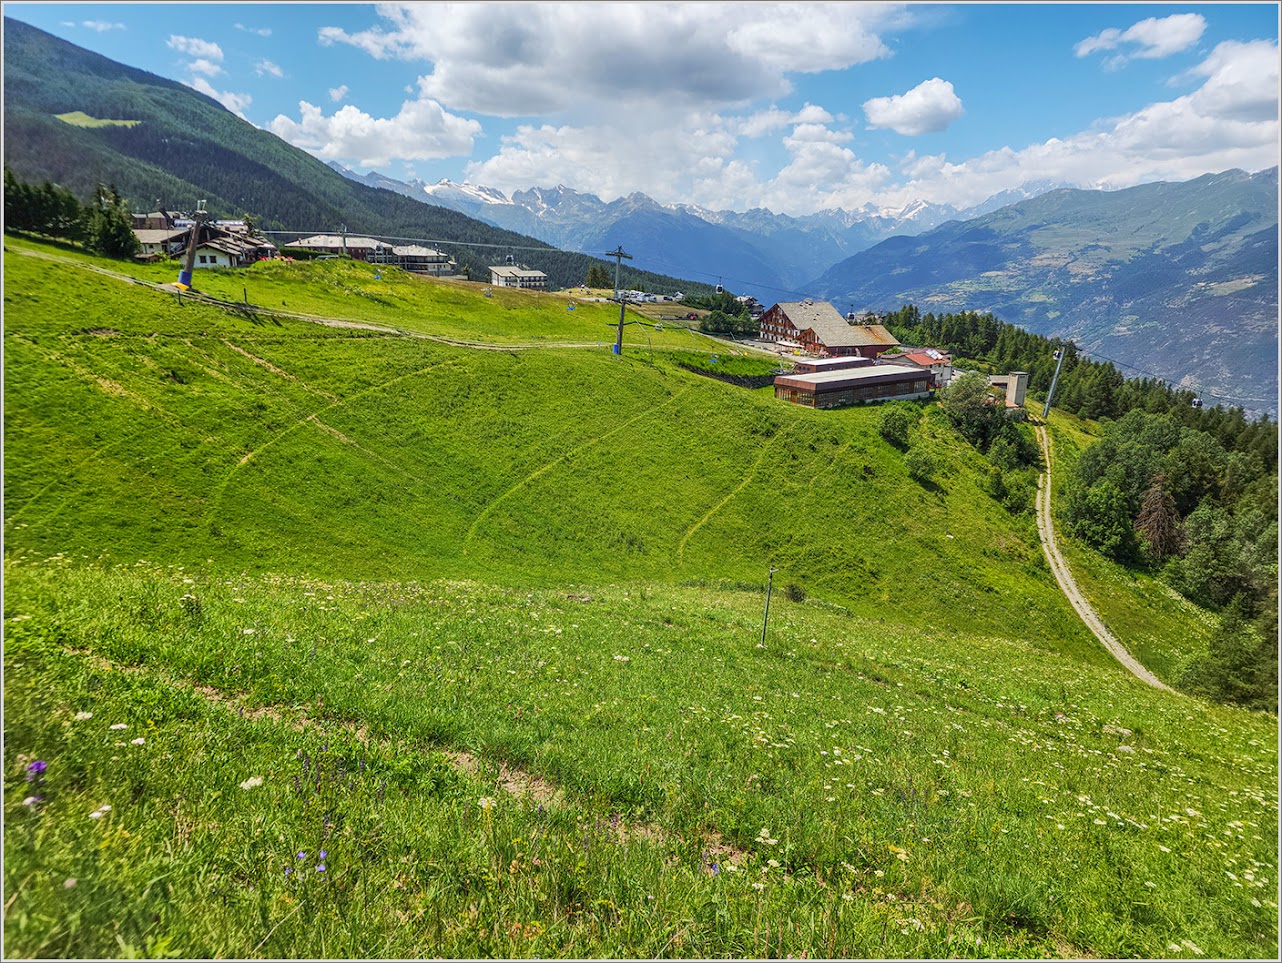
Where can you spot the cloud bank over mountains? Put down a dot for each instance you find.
(601, 93)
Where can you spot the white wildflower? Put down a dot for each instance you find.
(252, 782)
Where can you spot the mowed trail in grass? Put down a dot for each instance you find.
(140, 428)
(220, 525)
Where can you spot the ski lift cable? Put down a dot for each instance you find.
(660, 263)
(427, 240)
(1153, 374)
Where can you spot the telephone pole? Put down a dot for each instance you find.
(184, 276)
(618, 256)
(1051, 394)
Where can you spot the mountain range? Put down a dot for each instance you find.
(63, 113)
(756, 252)
(1177, 280)
(1173, 280)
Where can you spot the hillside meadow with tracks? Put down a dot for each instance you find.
(356, 616)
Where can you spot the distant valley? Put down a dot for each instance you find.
(1171, 280)
(1178, 281)
(757, 252)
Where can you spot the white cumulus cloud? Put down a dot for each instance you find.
(768, 121)
(561, 57)
(206, 67)
(195, 47)
(1231, 121)
(1149, 39)
(928, 108)
(236, 103)
(102, 26)
(338, 93)
(600, 161)
(422, 130)
(266, 67)
(259, 31)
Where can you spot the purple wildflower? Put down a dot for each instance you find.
(323, 853)
(36, 770)
(301, 855)
(320, 868)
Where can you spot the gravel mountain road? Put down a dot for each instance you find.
(1064, 576)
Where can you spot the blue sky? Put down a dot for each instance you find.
(793, 107)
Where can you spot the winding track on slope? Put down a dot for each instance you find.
(1064, 576)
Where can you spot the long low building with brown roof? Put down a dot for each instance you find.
(854, 386)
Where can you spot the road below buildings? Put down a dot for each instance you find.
(1064, 576)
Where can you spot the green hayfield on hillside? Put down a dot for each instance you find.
(483, 627)
(273, 443)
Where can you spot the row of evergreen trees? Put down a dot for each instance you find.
(103, 225)
(1086, 388)
(727, 314)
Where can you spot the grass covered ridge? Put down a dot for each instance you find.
(269, 582)
(271, 443)
(78, 118)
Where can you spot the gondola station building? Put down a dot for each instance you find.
(854, 386)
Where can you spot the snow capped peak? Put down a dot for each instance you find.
(446, 188)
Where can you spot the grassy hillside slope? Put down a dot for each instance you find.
(275, 443)
(380, 646)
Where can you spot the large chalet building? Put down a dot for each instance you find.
(816, 327)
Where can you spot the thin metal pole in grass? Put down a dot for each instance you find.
(766, 620)
(618, 256)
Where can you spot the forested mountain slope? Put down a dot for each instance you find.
(1178, 280)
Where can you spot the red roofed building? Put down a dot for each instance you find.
(938, 363)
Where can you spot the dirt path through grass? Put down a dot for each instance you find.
(1064, 576)
(571, 453)
(752, 474)
(512, 780)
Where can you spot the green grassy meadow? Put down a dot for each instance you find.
(376, 645)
